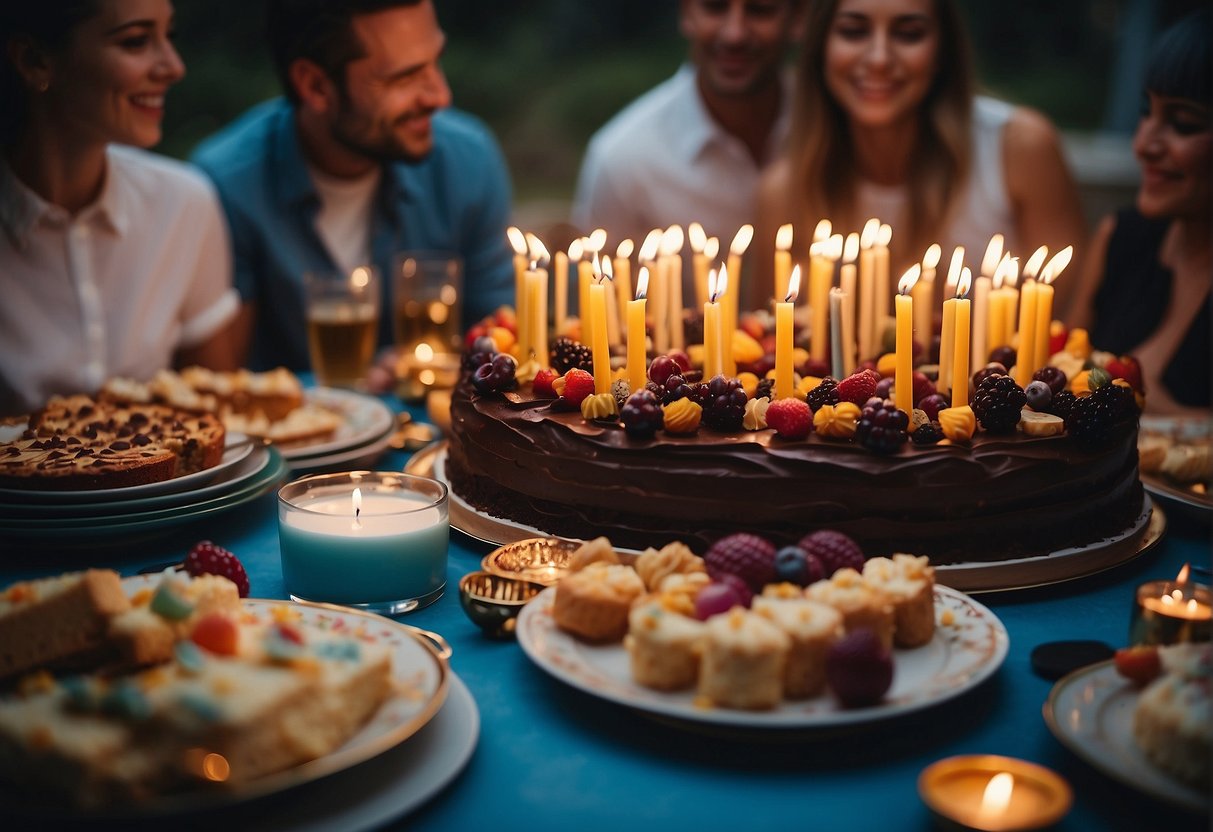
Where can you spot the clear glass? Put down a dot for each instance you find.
(427, 301)
(382, 549)
(1169, 612)
(342, 325)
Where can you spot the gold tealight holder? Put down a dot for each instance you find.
(993, 793)
(540, 559)
(1170, 612)
(493, 602)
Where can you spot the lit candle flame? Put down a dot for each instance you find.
(955, 266)
(850, 249)
(822, 231)
(997, 796)
(539, 252)
(1007, 271)
(783, 237)
(718, 282)
(793, 285)
(360, 277)
(871, 230)
(1032, 267)
(597, 240)
(697, 237)
(642, 283)
(608, 270)
(652, 242)
(833, 247)
(1056, 264)
(931, 259)
(423, 352)
(625, 248)
(576, 250)
(909, 279)
(712, 285)
(741, 240)
(517, 239)
(885, 236)
(1182, 577)
(962, 285)
(356, 502)
(711, 248)
(989, 263)
(671, 241)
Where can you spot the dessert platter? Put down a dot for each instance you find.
(1177, 461)
(364, 429)
(347, 686)
(1095, 712)
(958, 658)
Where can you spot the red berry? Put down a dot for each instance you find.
(858, 387)
(542, 385)
(661, 368)
(791, 418)
(577, 385)
(740, 588)
(859, 669)
(208, 559)
(923, 387)
(834, 549)
(719, 597)
(747, 556)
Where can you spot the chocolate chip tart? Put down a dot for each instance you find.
(79, 443)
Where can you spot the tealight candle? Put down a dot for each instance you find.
(377, 541)
(1169, 612)
(994, 793)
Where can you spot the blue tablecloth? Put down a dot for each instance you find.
(552, 757)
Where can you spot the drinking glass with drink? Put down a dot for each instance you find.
(427, 299)
(342, 325)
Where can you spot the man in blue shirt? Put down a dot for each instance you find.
(360, 160)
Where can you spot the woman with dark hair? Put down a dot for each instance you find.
(1145, 290)
(886, 124)
(113, 261)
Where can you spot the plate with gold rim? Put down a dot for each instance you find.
(420, 679)
(961, 655)
(1090, 711)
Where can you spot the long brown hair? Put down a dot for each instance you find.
(823, 179)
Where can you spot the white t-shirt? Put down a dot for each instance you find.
(985, 207)
(115, 290)
(664, 160)
(344, 219)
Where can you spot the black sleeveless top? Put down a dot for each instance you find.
(1132, 300)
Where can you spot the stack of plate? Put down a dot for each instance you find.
(367, 425)
(248, 470)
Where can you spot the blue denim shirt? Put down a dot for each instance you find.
(456, 199)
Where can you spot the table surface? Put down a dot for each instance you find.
(549, 755)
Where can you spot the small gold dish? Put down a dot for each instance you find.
(540, 559)
(493, 602)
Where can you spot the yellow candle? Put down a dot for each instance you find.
(518, 243)
(867, 288)
(847, 280)
(981, 319)
(636, 335)
(737, 250)
(783, 255)
(585, 276)
(623, 279)
(698, 240)
(677, 333)
(960, 349)
(947, 339)
(903, 380)
(1025, 359)
(923, 293)
(732, 296)
(561, 278)
(999, 300)
(537, 303)
(599, 348)
(784, 336)
(1044, 304)
(821, 275)
(711, 325)
(880, 264)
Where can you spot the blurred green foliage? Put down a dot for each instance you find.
(546, 73)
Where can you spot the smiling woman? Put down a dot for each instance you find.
(113, 261)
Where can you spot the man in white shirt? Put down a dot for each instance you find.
(692, 148)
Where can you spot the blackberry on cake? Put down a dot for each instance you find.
(826, 392)
(568, 354)
(997, 403)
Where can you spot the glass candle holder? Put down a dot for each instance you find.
(372, 540)
(1170, 612)
(993, 793)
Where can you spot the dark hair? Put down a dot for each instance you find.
(1179, 65)
(47, 23)
(320, 31)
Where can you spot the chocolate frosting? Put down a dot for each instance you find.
(999, 497)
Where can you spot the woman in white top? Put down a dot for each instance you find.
(885, 124)
(113, 261)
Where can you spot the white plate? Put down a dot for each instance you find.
(363, 418)
(364, 455)
(975, 576)
(1091, 712)
(237, 447)
(420, 680)
(1181, 428)
(958, 658)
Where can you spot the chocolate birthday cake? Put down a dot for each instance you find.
(996, 497)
